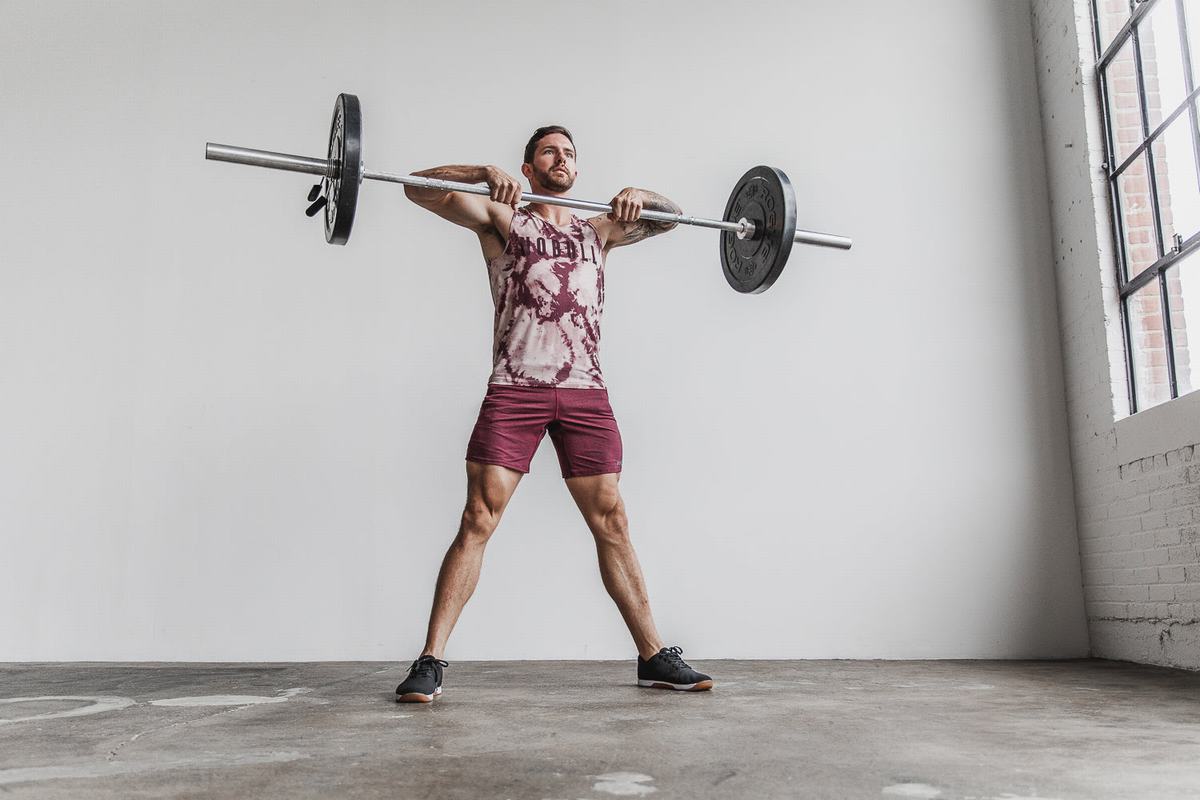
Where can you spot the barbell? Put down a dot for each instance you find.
(757, 230)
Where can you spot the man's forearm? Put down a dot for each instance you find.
(460, 173)
(656, 202)
(645, 228)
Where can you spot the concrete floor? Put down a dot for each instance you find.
(811, 729)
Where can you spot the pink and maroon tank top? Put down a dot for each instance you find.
(548, 289)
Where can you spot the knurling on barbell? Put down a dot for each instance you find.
(757, 231)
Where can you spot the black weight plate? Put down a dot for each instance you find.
(345, 151)
(765, 197)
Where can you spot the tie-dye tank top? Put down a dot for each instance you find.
(548, 289)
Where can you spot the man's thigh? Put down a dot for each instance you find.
(490, 487)
(597, 496)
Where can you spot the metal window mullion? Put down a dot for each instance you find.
(1130, 373)
(1189, 84)
(1186, 247)
(1159, 131)
(1156, 212)
(1118, 221)
(1123, 306)
(1117, 224)
(1156, 207)
(1136, 12)
(1168, 339)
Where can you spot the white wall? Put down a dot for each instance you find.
(226, 440)
(1137, 478)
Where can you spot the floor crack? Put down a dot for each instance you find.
(112, 754)
(115, 752)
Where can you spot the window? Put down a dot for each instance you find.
(1148, 67)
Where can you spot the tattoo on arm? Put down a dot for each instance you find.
(645, 228)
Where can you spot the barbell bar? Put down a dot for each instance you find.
(327, 168)
(760, 217)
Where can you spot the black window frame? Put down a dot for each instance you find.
(1169, 253)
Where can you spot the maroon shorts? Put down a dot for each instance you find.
(513, 419)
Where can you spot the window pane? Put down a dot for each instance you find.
(1137, 218)
(1162, 61)
(1178, 184)
(1144, 313)
(1111, 14)
(1183, 290)
(1124, 103)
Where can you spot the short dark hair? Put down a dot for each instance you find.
(540, 134)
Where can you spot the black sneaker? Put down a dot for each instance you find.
(424, 681)
(666, 669)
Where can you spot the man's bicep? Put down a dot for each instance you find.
(500, 217)
(625, 233)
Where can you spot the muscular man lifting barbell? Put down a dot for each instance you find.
(546, 267)
(547, 275)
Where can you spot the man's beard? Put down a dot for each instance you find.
(552, 182)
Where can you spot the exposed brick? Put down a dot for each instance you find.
(1162, 592)
(1112, 527)
(1156, 557)
(1182, 554)
(1129, 560)
(1173, 574)
(1167, 537)
(1153, 520)
(1187, 591)
(1107, 594)
(1110, 610)
(1128, 506)
(1144, 610)
(1186, 496)
(1141, 541)
(1145, 574)
(1180, 516)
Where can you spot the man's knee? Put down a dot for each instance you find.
(479, 522)
(609, 524)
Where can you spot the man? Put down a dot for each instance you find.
(546, 267)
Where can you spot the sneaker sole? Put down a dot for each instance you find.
(417, 697)
(682, 687)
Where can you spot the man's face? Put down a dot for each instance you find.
(553, 165)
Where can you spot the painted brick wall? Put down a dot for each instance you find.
(1141, 559)
(1137, 521)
